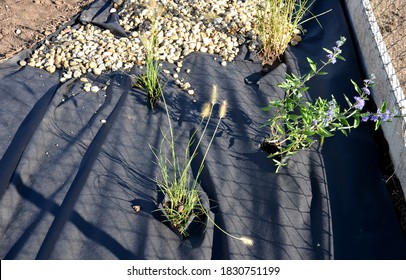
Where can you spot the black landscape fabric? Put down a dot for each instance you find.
(73, 163)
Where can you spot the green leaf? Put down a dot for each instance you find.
(312, 64)
(289, 126)
(323, 132)
(322, 73)
(377, 124)
(283, 85)
(321, 140)
(293, 77)
(303, 89)
(278, 128)
(345, 122)
(348, 101)
(307, 77)
(336, 125)
(266, 109)
(356, 122)
(383, 107)
(309, 132)
(307, 118)
(327, 50)
(356, 87)
(340, 57)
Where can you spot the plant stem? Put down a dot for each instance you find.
(245, 240)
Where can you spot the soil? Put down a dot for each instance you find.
(25, 22)
(391, 18)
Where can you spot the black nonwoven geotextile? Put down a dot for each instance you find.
(73, 163)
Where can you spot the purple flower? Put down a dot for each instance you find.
(330, 113)
(360, 102)
(370, 81)
(331, 57)
(314, 122)
(365, 118)
(339, 43)
(366, 91)
(386, 116)
(337, 50)
(374, 118)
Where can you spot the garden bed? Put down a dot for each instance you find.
(76, 161)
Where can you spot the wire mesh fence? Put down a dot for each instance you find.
(391, 18)
(379, 29)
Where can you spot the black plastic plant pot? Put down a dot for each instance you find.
(271, 147)
(194, 226)
(268, 67)
(153, 102)
(153, 99)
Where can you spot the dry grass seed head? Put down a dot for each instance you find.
(206, 110)
(223, 109)
(214, 95)
(247, 241)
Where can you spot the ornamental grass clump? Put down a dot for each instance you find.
(296, 120)
(150, 80)
(182, 198)
(278, 21)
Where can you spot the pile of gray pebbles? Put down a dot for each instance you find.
(182, 26)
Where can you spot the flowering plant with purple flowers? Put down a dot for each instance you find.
(296, 121)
